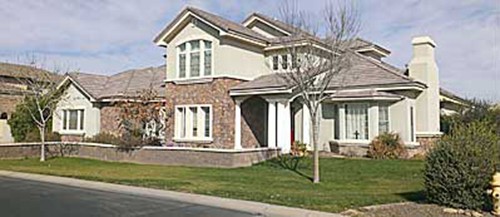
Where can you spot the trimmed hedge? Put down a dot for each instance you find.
(459, 168)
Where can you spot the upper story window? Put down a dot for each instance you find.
(194, 59)
(284, 62)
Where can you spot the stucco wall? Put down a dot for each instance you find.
(75, 99)
(399, 122)
(230, 57)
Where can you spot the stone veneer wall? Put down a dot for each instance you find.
(110, 119)
(216, 93)
(147, 155)
(8, 103)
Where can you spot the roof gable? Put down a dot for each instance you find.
(223, 26)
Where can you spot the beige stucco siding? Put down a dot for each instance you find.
(400, 121)
(75, 99)
(231, 57)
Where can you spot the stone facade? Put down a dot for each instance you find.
(215, 93)
(9, 103)
(145, 155)
(110, 119)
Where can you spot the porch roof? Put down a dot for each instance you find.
(365, 72)
(364, 94)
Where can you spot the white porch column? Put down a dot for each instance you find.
(271, 124)
(237, 124)
(306, 125)
(342, 123)
(284, 126)
(373, 121)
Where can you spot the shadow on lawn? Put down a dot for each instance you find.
(290, 163)
(415, 196)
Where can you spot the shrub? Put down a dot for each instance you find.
(126, 141)
(104, 138)
(459, 168)
(34, 136)
(387, 146)
(298, 149)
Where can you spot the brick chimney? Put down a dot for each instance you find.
(423, 68)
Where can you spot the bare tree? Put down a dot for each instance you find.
(41, 95)
(319, 56)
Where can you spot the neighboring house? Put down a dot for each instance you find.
(12, 91)
(222, 82)
(90, 104)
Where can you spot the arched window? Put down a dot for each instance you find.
(194, 59)
(3, 116)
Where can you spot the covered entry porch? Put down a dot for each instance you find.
(352, 118)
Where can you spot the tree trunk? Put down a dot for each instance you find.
(315, 139)
(42, 146)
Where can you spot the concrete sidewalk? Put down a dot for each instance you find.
(233, 204)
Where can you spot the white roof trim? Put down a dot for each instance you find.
(254, 17)
(69, 79)
(161, 41)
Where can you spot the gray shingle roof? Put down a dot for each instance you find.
(364, 72)
(126, 84)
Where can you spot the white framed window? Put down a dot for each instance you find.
(275, 62)
(73, 120)
(284, 62)
(195, 59)
(356, 121)
(193, 122)
(383, 118)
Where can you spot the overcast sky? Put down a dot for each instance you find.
(106, 37)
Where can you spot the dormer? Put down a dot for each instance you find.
(370, 49)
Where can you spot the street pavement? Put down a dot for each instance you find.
(20, 197)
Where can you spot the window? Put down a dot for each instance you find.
(275, 62)
(208, 58)
(294, 61)
(73, 119)
(193, 122)
(383, 119)
(284, 61)
(194, 59)
(356, 119)
(182, 61)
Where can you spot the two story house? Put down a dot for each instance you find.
(223, 90)
(224, 85)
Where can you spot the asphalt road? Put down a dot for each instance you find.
(28, 198)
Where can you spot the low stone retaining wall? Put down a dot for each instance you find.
(361, 150)
(179, 156)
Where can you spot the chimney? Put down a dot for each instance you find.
(423, 68)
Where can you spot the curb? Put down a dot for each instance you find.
(258, 208)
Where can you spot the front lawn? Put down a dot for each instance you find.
(345, 183)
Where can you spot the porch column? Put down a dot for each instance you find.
(271, 124)
(373, 121)
(342, 124)
(284, 126)
(306, 125)
(237, 124)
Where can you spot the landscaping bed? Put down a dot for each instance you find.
(345, 183)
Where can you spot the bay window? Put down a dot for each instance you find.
(194, 59)
(73, 119)
(356, 120)
(193, 122)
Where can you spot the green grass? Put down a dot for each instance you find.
(345, 183)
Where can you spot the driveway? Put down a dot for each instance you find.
(19, 197)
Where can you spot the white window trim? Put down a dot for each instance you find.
(78, 131)
(189, 133)
(388, 117)
(188, 52)
(368, 116)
